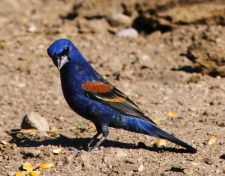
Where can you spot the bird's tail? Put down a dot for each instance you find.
(169, 137)
(146, 127)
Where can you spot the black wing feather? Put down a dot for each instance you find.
(126, 107)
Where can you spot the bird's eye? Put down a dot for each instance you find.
(66, 50)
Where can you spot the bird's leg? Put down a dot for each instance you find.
(99, 131)
(105, 132)
(98, 143)
(92, 140)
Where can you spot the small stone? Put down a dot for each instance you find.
(36, 121)
(119, 19)
(87, 165)
(193, 109)
(11, 173)
(141, 168)
(208, 161)
(130, 161)
(145, 61)
(120, 153)
(31, 152)
(106, 159)
(194, 163)
(32, 28)
(194, 79)
(218, 171)
(21, 85)
(128, 32)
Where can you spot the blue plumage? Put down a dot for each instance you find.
(94, 98)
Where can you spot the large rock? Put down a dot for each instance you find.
(207, 58)
(119, 19)
(204, 13)
(36, 121)
(128, 32)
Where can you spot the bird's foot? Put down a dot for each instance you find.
(95, 150)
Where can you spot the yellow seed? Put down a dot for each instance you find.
(57, 151)
(161, 143)
(19, 174)
(172, 114)
(28, 167)
(34, 173)
(46, 165)
(212, 140)
(32, 131)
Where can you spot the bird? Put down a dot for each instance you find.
(97, 100)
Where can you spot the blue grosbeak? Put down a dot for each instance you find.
(94, 98)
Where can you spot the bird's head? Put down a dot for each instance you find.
(62, 51)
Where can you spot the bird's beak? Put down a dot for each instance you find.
(60, 61)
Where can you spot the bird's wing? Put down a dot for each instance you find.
(111, 96)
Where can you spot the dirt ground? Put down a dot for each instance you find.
(153, 69)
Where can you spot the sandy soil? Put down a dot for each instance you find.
(166, 82)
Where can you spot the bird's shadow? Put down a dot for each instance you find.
(81, 143)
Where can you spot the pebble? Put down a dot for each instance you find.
(11, 173)
(128, 32)
(119, 19)
(194, 163)
(141, 168)
(87, 165)
(85, 157)
(130, 161)
(208, 161)
(106, 159)
(31, 152)
(32, 28)
(145, 61)
(193, 109)
(35, 120)
(120, 153)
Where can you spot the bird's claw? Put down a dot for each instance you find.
(95, 150)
